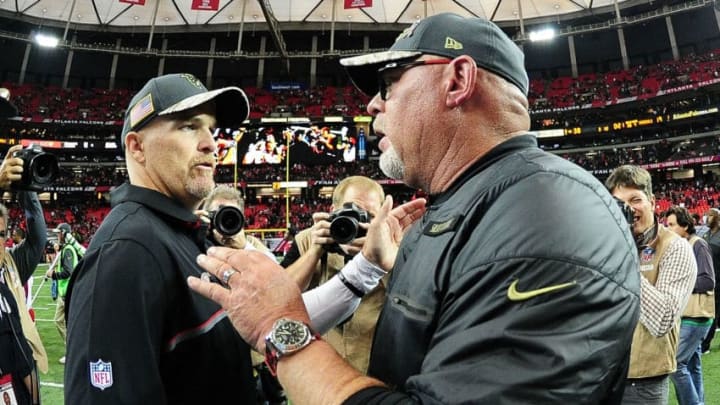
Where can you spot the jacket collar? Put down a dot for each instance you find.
(161, 204)
(511, 145)
(648, 238)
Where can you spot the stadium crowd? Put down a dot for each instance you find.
(590, 90)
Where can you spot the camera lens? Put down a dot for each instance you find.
(43, 168)
(344, 229)
(228, 220)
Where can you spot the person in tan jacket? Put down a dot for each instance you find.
(315, 257)
(698, 315)
(668, 271)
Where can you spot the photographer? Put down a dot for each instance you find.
(21, 350)
(230, 229)
(70, 252)
(316, 257)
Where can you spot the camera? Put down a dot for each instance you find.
(227, 220)
(39, 168)
(626, 210)
(344, 223)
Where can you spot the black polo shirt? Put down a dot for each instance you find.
(136, 332)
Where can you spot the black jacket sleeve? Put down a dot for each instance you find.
(292, 255)
(706, 276)
(29, 253)
(378, 396)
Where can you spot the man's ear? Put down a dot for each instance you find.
(134, 146)
(462, 82)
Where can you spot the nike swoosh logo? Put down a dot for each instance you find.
(515, 295)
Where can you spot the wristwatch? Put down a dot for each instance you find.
(287, 336)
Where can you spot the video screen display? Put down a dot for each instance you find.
(303, 143)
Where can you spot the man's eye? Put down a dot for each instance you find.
(388, 82)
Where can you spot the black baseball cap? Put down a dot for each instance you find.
(448, 35)
(7, 110)
(63, 228)
(178, 92)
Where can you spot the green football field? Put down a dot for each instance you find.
(52, 383)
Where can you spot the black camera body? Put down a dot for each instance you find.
(39, 168)
(344, 223)
(626, 210)
(227, 220)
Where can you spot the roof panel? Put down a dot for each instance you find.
(117, 13)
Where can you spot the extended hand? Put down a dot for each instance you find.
(259, 293)
(387, 230)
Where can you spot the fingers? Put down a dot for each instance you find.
(320, 216)
(217, 255)
(12, 151)
(209, 290)
(386, 207)
(409, 212)
(203, 215)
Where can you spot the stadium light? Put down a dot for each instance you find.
(47, 41)
(545, 34)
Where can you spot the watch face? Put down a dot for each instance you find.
(289, 335)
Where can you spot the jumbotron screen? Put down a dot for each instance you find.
(304, 143)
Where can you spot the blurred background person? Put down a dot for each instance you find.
(698, 314)
(69, 254)
(713, 239)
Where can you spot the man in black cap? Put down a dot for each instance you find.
(21, 351)
(136, 333)
(519, 285)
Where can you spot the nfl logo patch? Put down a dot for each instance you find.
(647, 254)
(101, 374)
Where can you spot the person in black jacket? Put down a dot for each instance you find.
(519, 285)
(136, 334)
(21, 351)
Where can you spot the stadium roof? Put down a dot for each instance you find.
(179, 13)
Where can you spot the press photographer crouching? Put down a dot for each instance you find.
(21, 351)
(223, 209)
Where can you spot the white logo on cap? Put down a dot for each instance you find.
(193, 80)
(451, 43)
(407, 31)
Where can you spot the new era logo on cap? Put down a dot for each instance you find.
(452, 44)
